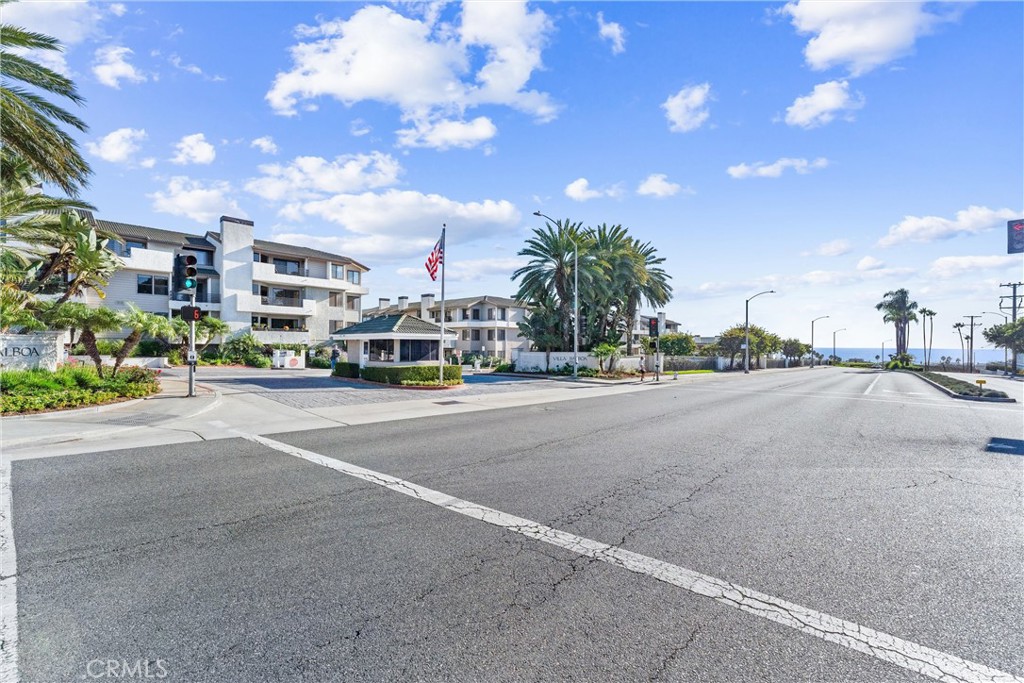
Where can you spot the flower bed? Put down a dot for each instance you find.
(71, 386)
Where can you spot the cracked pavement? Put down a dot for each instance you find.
(697, 531)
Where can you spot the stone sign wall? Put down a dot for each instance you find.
(37, 350)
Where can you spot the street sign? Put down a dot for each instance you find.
(1015, 236)
(191, 356)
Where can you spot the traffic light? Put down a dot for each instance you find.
(1015, 237)
(652, 326)
(186, 273)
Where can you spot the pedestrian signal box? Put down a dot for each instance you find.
(653, 327)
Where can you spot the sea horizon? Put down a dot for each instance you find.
(846, 352)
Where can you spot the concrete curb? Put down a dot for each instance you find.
(950, 392)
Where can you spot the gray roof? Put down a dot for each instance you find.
(397, 324)
(449, 305)
(142, 232)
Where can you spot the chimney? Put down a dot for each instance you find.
(383, 303)
(426, 303)
(403, 303)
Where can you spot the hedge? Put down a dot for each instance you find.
(412, 374)
(346, 370)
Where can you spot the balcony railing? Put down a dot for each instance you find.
(203, 298)
(290, 270)
(290, 301)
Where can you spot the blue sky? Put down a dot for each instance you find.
(831, 150)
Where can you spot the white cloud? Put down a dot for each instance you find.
(658, 185)
(194, 149)
(761, 170)
(316, 178)
(359, 128)
(148, 162)
(421, 67)
(118, 9)
(390, 225)
(581, 191)
(952, 266)
(687, 109)
(265, 144)
(118, 146)
(836, 247)
(821, 105)
(72, 23)
(970, 221)
(869, 263)
(191, 198)
(446, 134)
(862, 35)
(111, 66)
(612, 32)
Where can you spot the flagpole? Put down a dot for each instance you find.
(440, 348)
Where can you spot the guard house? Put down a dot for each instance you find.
(393, 340)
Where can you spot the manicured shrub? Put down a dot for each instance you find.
(71, 386)
(350, 370)
(422, 375)
(318, 362)
(257, 360)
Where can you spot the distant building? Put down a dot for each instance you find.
(486, 325)
(279, 292)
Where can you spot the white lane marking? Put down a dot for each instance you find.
(8, 583)
(872, 385)
(888, 648)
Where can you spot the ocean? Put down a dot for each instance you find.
(980, 355)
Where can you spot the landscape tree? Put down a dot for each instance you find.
(929, 315)
(677, 345)
(959, 327)
(93, 321)
(139, 323)
(794, 348)
(648, 282)
(31, 128)
(898, 309)
(542, 327)
(1007, 336)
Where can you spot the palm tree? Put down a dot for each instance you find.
(927, 314)
(605, 305)
(139, 322)
(897, 308)
(649, 283)
(92, 321)
(549, 274)
(959, 327)
(31, 127)
(542, 327)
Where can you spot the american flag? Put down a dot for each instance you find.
(436, 258)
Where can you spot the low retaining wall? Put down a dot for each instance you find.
(141, 361)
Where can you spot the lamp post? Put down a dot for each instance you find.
(812, 338)
(1006, 361)
(883, 351)
(841, 329)
(575, 298)
(746, 332)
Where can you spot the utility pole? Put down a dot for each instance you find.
(970, 347)
(1014, 305)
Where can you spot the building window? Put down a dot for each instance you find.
(412, 350)
(501, 335)
(382, 350)
(352, 303)
(465, 335)
(476, 335)
(490, 335)
(354, 276)
(126, 248)
(337, 271)
(336, 326)
(152, 284)
(337, 299)
(203, 257)
(502, 314)
(490, 314)
(465, 314)
(476, 314)
(287, 267)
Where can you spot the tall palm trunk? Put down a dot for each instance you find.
(924, 345)
(130, 342)
(931, 338)
(88, 340)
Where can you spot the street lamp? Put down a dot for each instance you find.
(1006, 360)
(575, 298)
(746, 332)
(841, 329)
(883, 351)
(812, 338)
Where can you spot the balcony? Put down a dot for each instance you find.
(282, 336)
(203, 298)
(270, 273)
(149, 260)
(280, 305)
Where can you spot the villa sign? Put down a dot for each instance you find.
(24, 351)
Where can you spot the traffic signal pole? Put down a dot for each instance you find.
(192, 350)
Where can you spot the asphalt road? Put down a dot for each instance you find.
(863, 496)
